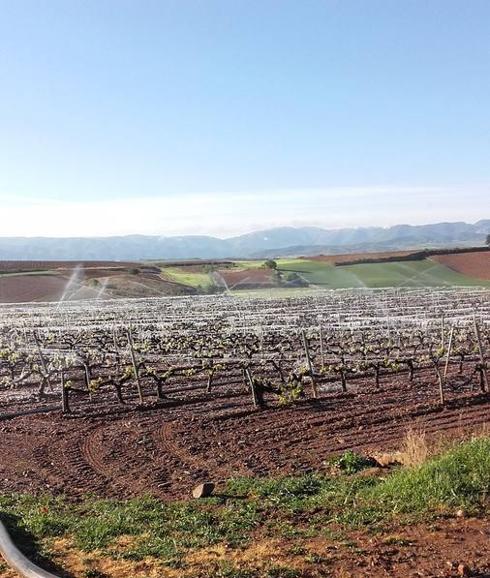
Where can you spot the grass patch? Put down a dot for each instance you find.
(291, 508)
(423, 273)
(161, 530)
(458, 478)
(192, 279)
(351, 462)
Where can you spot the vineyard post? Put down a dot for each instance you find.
(441, 387)
(310, 364)
(65, 406)
(114, 339)
(252, 386)
(135, 365)
(209, 384)
(322, 353)
(86, 371)
(43, 361)
(448, 355)
(24, 330)
(443, 329)
(482, 355)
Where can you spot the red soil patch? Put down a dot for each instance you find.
(20, 266)
(26, 287)
(475, 264)
(445, 548)
(248, 278)
(166, 449)
(23, 288)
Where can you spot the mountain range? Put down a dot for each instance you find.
(276, 242)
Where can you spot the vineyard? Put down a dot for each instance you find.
(214, 385)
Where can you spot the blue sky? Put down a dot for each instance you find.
(221, 116)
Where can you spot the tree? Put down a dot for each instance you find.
(293, 279)
(270, 264)
(488, 240)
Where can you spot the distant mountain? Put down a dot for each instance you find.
(268, 243)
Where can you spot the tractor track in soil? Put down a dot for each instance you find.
(165, 449)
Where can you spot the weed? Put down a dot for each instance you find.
(351, 462)
(281, 572)
(414, 450)
(93, 573)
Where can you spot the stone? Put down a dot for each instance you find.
(203, 490)
(385, 460)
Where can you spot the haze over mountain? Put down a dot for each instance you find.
(266, 243)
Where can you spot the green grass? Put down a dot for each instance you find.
(424, 273)
(459, 478)
(181, 275)
(249, 264)
(292, 507)
(161, 530)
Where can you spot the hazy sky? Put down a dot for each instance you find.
(221, 116)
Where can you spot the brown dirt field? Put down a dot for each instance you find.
(26, 287)
(349, 257)
(19, 266)
(248, 278)
(23, 288)
(427, 550)
(166, 449)
(475, 264)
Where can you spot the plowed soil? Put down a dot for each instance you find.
(248, 278)
(20, 266)
(49, 287)
(23, 288)
(472, 264)
(166, 449)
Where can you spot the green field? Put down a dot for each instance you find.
(424, 273)
(180, 275)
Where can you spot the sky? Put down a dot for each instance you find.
(220, 117)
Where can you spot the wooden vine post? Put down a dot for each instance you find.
(251, 384)
(440, 379)
(448, 355)
(88, 378)
(322, 353)
(135, 365)
(65, 405)
(443, 329)
(43, 363)
(482, 355)
(311, 369)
